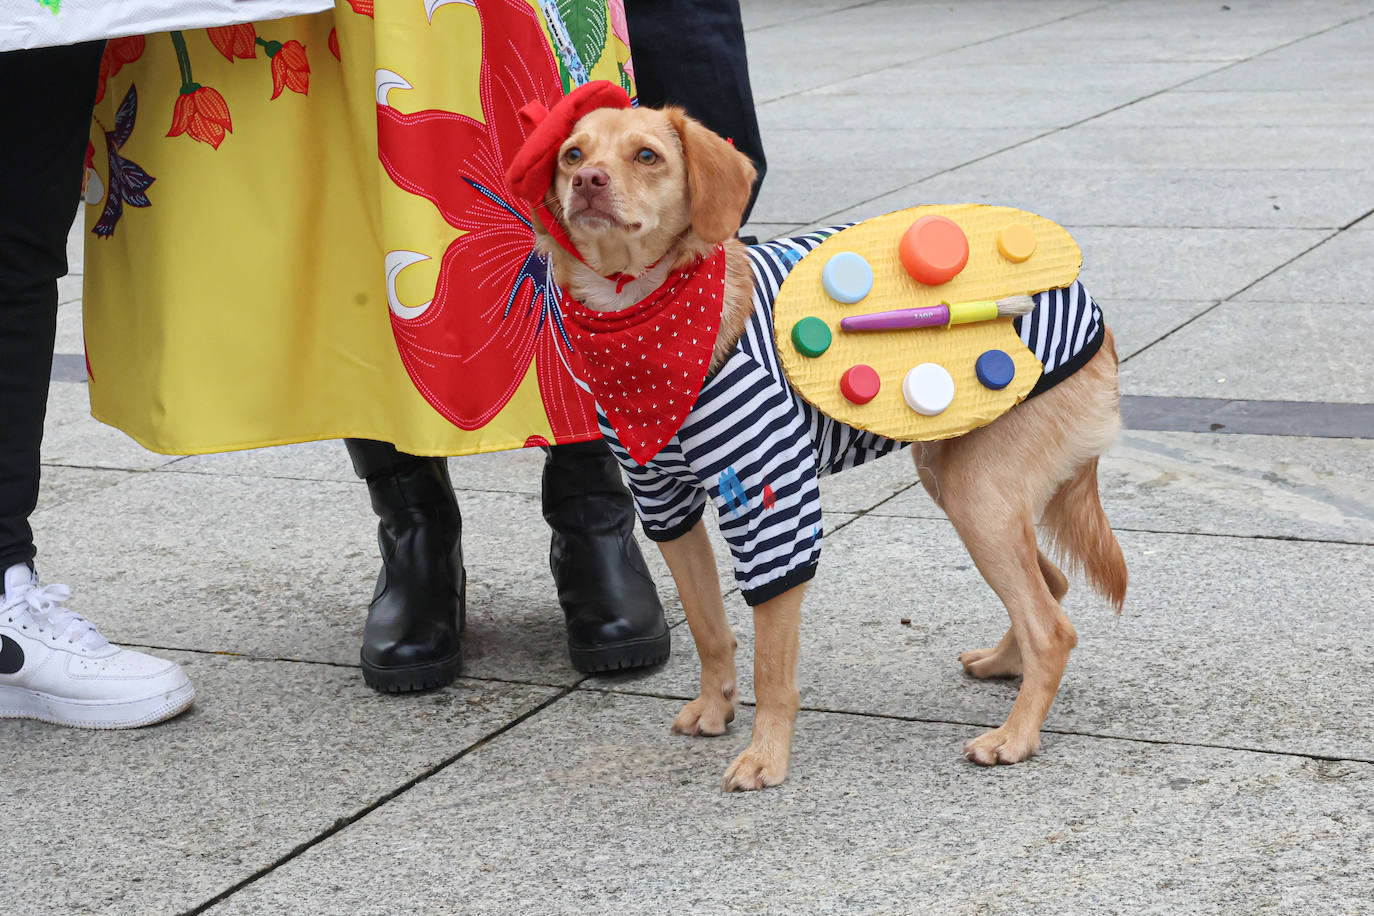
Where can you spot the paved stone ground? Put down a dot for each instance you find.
(1212, 749)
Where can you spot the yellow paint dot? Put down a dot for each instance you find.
(1016, 242)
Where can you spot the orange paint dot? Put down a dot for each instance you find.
(933, 250)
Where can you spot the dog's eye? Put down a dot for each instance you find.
(573, 156)
(646, 157)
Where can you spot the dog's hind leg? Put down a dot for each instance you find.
(1004, 659)
(693, 565)
(1004, 549)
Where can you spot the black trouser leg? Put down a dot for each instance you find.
(615, 619)
(691, 53)
(411, 639)
(46, 115)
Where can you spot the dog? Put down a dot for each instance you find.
(638, 200)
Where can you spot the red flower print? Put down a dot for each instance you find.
(118, 52)
(290, 69)
(334, 44)
(361, 7)
(201, 113)
(494, 308)
(234, 41)
(769, 498)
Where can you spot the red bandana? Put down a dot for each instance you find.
(645, 364)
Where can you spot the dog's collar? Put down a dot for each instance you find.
(645, 364)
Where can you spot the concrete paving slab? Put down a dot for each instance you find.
(1301, 69)
(69, 288)
(271, 755)
(1349, 40)
(72, 437)
(59, 484)
(1122, 263)
(1096, 146)
(1143, 31)
(802, 196)
(1030, 78)
(1230, 352)
(768, 14)
(819, 50)
(1338, 270)
(285, 569)
(592, 806)
(768, 231)
(1187, 107)
(1239, 198)
(1224, 641)
(1227, 485)
(70, 333)
(860, 104)
(1137, 323)
(924, 150)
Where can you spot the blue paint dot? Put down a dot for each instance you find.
(995, 369)
(847, 277)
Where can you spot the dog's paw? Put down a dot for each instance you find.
(705, 716)
(1001, 745)
(994, 662)
(757, 768)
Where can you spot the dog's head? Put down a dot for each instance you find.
(629, 183)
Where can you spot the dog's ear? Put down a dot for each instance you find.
(719, 178)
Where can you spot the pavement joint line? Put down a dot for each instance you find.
(1065, 127)
(1219, 303)
(970, 724)
(350, 820)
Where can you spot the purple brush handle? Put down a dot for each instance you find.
(933, 316)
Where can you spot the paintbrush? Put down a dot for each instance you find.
(939, 316)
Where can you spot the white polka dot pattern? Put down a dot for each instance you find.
(644, 389)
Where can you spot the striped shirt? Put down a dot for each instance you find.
(756, 449)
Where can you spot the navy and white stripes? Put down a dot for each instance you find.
(757, 449)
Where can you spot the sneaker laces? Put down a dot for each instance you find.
(44, 606)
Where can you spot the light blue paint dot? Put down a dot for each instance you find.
(847, 277)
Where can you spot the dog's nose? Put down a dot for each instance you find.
(590, 180)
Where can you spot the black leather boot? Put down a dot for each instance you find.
(411, 639)
(615, 620)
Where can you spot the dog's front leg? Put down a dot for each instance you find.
(693, 565)
(777, 626)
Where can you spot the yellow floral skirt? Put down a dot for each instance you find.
(301, 229)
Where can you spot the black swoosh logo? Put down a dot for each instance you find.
(11, 656)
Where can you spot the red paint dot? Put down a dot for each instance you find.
(860, 384)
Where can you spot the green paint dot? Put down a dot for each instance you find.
(811, 336)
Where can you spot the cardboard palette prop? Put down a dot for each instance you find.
(931, 382)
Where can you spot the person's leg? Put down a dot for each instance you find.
(614, 616)
(47, 115)
(691, 53)
(411, 640)
(54, 664)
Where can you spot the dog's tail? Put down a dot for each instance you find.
(1081, 537)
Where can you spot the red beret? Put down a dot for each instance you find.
(531, 171)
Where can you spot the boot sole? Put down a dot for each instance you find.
(429, 676)
(622, 656)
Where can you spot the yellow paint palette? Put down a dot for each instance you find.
(1010, 252)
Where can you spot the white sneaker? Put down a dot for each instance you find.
(56, 667)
